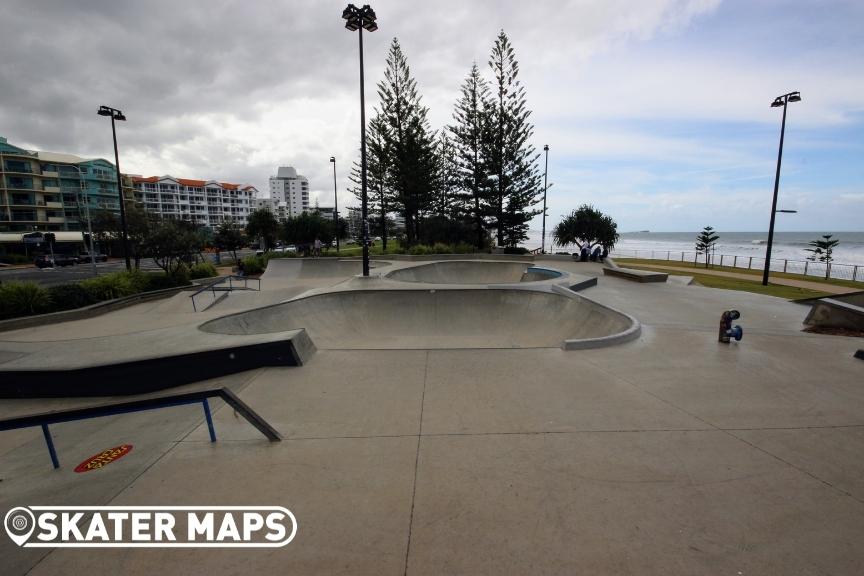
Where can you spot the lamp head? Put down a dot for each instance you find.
(333, 159)
(104, 111)
(778, 102)
(351, 15)
(120, 116)
(795, 97)
(546, 148)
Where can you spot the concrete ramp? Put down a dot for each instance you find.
(467, 272)
(440, 318)
(312, 268)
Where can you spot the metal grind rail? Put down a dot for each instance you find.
(218, 286)
(113, 409)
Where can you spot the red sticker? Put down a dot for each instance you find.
(103, 458)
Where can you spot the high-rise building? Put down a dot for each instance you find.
(205, 202)
(49, 191)
(289, 192)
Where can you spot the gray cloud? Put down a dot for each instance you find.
(231, 89)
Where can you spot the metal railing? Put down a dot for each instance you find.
(805, 268)
(216, 286)
(45, 419)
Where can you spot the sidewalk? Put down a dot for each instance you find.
(818, 286)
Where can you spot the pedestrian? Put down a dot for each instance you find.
(241, 268)
(595, 255)
(604, 254)
(317, 251)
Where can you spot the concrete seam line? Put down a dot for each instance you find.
(416, 462)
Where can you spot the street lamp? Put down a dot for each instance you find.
(118, 115)
(779, 101)
(545, 189)
(359, 19)
(83, 188)
(335, 205)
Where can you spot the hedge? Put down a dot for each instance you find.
(26, 298)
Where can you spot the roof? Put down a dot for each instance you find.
(190, 182)
(14, 237)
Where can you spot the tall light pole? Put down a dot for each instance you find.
(83, 188)
(118, 115)
(335, 205)
(779, 101)
(358, 19)
(545, 189)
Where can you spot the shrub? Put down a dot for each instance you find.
(181, 275)
(160, 281)
(441, 248)
(22, 299)
(110, 286)
(515, 250)
(463, 248)
(254, 264)
(69, 296)
(203, 270)
(15, 259)
(418, 250)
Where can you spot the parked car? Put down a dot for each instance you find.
(85, 257)
(45, 261)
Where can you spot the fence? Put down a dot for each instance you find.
(801, 267)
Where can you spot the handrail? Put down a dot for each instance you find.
(56, 417)
(220, 280)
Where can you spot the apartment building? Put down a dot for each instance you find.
(50, 191)
(204, 202)
(289, 193)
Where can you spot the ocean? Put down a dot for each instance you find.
(787, 245)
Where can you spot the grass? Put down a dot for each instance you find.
(678, 264)
(727, 283)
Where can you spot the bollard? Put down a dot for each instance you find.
(727, 331)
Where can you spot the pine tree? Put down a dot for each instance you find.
(510, 156)
(705, 243)
(413, 163)
(446, 201)
(377, 162)
(471, 116)
(822, 251)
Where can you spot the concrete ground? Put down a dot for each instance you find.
(671, 454)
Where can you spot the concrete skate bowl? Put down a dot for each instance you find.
(440, 319)
(309, 268)
(473, 272)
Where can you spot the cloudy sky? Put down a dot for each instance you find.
(656, 111)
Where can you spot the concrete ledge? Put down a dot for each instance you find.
(636, 275)
(88, 311)
(835, 313)
(583, 284)
(37, 375)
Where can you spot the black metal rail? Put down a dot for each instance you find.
(215, 286)
(112, 409)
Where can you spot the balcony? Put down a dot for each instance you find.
(56, 219)
(54, 205)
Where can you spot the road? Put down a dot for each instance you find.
(78, 272)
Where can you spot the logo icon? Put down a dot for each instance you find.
(19, 523)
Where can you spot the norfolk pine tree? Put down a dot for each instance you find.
(510, 156)
(471, 119)
(413, 163)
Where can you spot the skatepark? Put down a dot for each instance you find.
(457, 416)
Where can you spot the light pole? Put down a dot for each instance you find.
(83, 188)
(358, 19)
(779, 101)
(545, 189)
(118, 115)
(335, 205)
